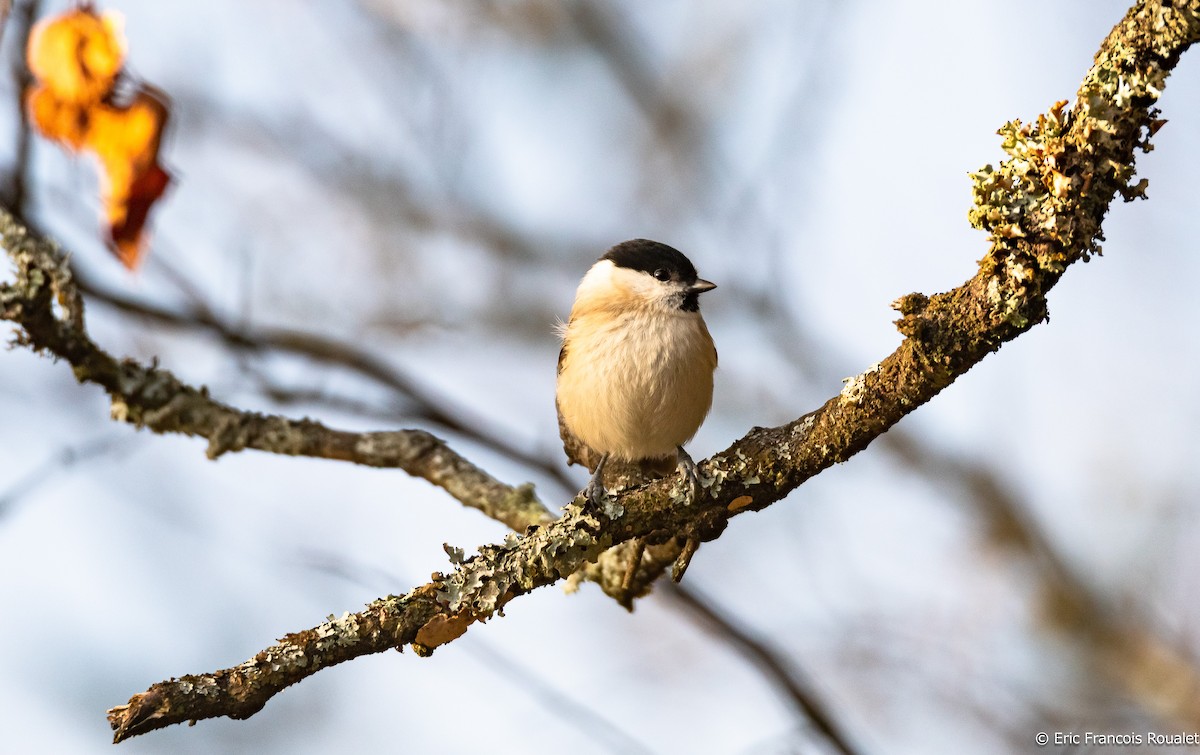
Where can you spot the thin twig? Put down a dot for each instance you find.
(16, 192)
(60, 460)
(427, 406)
(790, 680)
(568, 705)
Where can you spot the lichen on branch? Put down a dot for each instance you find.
(1043, 207)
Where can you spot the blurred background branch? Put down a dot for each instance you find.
(14, 31)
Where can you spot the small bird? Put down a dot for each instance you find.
(635, 374)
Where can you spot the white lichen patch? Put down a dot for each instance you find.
(573, 583)
(206, 685)
(120, 410)
(343, 631)
(483, 583)
(681, 491)
(367, 446)
(1008, 290)
(715, 479)
(611, 508)
(379, 448)
(805, 425)
(855, 387)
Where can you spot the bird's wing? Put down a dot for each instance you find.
(577, 451)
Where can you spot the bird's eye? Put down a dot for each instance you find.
(662, 275)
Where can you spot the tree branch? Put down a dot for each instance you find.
(313, 346)
(1043, 208)
(45, 302)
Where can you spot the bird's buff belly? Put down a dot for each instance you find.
(636, 413)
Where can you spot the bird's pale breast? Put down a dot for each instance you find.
(639, 385)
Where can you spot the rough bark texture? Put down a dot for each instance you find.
(149, 397)
(1042, 207)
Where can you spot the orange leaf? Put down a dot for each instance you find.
(64, 121)
(77, 58)
(126, 141)
(127, 235)
(77, 55)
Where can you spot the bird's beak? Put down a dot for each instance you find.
(700, 286)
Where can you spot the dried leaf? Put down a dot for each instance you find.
(77, 55)
(55, 118)
(126, 140)
(77, 58)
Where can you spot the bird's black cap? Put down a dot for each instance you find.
(649, 256)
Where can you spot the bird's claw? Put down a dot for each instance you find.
(594, 492)
(689, 472)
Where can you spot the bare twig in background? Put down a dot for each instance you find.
(424, 404)
(772, 663)
(621, 49)
(391, 199)
(153, 398)
(60, 460)
(564, 704)
(678, 131)
(13, 191)
(1125, 651)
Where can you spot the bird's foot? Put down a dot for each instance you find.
(594, 492)
(689, 473)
